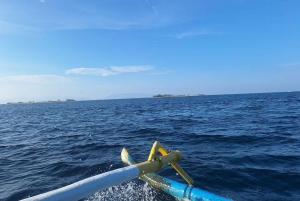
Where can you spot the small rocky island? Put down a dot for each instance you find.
(49, 101)
(175, 96)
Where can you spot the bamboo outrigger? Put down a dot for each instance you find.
(89, 186)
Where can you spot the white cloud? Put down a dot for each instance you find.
(194, 33)
(37, 79)
(113, 70)
(130, 69)
(91, 71)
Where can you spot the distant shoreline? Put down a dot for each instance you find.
(33, 102)
(175, 96)
(172, 96)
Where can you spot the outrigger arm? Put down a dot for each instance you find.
(157, 147)
(171, 187)
(89, 186)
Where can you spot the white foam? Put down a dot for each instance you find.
(132, 190)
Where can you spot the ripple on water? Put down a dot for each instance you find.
(245, 147)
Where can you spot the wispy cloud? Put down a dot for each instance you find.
(99, 15)
(153, 7)
(38, 79)
(194, 33)
(13, 28)
(91, 71)
(131, 69)
(112, 70)
(290, 64)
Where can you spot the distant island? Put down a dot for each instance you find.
(175, 96)
(49, 101)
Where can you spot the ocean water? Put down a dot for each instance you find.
(245, 147)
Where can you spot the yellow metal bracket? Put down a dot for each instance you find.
(168, 157)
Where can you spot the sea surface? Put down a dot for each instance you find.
(244, 147)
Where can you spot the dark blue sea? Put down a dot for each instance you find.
(245, 147)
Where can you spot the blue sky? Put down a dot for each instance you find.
(87, 50)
